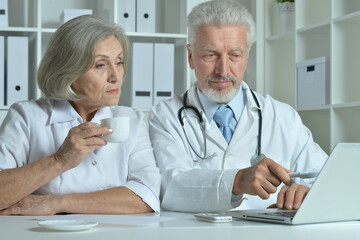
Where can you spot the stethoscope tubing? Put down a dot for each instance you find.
(201, 122)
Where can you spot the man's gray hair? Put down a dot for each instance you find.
(220, 12)
(70, 53)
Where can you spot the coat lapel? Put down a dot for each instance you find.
(249, 121)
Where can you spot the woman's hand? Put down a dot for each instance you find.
(80, 141)
(117, 200)
(33, 205)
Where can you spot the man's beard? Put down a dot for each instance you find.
(220, 97)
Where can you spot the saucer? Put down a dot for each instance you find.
(67, 225)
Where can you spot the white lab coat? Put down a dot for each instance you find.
(207, 186)
(36, 129)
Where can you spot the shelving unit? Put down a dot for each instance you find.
(322, 28)
(39, 19)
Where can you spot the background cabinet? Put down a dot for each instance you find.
(39, 19)
(328, 28)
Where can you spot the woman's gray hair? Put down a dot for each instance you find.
(220, 12)
(70, 53)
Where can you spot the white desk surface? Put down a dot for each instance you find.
(183, 226)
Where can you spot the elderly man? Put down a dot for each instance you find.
(220, 142)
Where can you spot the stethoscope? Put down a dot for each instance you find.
(257, 157)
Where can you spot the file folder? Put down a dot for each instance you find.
(145, 16)
(3, 113)
(4, 16)
(127, 15)
(68, 14)
(17, 69)
(163, 71)
(2, 71)
(142, 75)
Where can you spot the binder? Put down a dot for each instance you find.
(127, 15)
(2, 71)
(17, 69)
(3, 113)
(68, 14)
(163, 71)
(4, 15)
(142, 75)
(145, 16)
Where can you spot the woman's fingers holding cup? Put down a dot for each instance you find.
(80, 141)
(88, 130)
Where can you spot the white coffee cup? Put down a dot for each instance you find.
(120, 127)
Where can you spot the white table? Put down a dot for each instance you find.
(183, 226)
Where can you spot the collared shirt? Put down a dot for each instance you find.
(33, 130)
(237, 105)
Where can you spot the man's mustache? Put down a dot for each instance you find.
(218, 78)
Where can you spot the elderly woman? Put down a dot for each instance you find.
(52, 159)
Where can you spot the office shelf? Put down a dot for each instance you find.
(39, 19)
(322, 28)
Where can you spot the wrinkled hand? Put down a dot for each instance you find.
(261, 179)
(291, 197)
(80, 141)
(33, 205)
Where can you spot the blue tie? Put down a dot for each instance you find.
(223, 117)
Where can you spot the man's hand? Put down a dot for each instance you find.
(33, 205)
(261, 179)
(291, 197)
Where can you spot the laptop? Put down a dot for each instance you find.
(333, 197)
